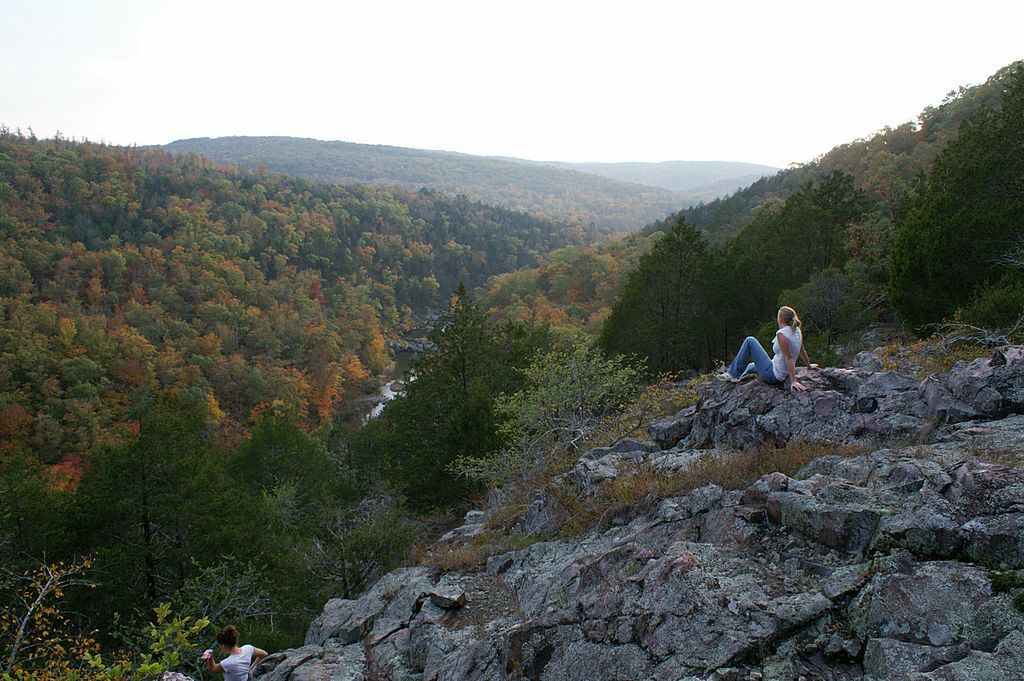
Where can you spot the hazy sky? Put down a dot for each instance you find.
(766, 82)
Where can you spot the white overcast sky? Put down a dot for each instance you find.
(765, 82)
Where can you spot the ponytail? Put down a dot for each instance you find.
(789, 317)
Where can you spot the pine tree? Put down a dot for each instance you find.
(969, 216)
(661, 312)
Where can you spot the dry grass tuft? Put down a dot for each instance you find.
(739, 470)
(1005, 456)
(472, 556)
(639, 492)
(927, 356)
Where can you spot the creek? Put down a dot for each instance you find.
(398, 375)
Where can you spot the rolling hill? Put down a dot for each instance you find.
(704, 180)
(605, 204)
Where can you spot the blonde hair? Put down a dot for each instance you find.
(788, 315)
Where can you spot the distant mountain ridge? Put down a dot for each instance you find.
(606, 204)
(704, 180)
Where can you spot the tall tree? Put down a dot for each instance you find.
(662, 310)
(154, 508)
(447, 412)
(969, 216)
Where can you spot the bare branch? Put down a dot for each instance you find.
(1014, 257)
(48, 581)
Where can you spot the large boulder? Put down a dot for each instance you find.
(935, 603)
(330, 661)
(384, 607)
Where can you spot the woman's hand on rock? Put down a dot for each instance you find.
(797, 385)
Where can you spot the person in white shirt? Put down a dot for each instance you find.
(787, 345)
(237, 661)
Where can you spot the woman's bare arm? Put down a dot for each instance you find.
(210, 664)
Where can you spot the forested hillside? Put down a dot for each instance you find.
(791, 215)
(179, 342)
(179, 348)
(884, 166)
(573, 288)
(598, 204)
(125, 272)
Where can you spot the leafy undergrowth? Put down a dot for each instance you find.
(504, 522)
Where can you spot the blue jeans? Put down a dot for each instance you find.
(752, 357)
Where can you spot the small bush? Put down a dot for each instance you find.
(666, 396)
(998, 305)
(1007, 581)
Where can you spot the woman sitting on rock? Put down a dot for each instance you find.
(788, 344)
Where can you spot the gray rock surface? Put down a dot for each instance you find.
(863, 567)
(841, 405)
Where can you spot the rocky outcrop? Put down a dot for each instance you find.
(878, 565)
(841, 405)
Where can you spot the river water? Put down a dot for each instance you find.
(401, 374)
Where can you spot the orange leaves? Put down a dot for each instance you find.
(541, 310)
(208, 345)
(138, 294)
(316, 290)
(67, 472)
(352, 369)
(132, 372)
(333, 384)
(274, 408)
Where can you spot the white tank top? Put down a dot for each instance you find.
(236, 667)
(796, 339)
